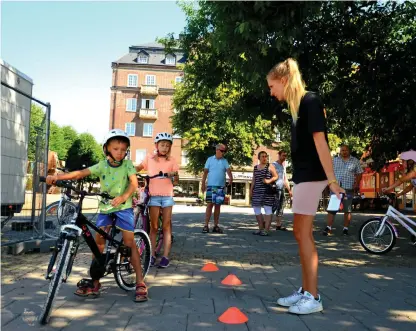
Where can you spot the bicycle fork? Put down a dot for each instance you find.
(383, 226)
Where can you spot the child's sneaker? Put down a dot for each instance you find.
(307, 305)
(164, 262)
(152, 261)
(291, 299)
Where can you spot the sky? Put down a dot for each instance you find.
(67, 49)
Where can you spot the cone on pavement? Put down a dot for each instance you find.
(233, 315)
(210, 267)
(231, 280)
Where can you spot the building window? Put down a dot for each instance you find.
(184, 157)
(132, 80)
(170, 60)
(238, 191)
(143, 59)
(131, 129)
(140, 155)
(148, 104)
(150, 80)
(178, 79)
(186, 189)
(148, 130)
(131, 105)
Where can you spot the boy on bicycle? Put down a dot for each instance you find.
(118, 179)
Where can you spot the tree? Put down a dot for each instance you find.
(36, 117)
(83, 153)
(358, 55)
(69, 135)
(57, 140)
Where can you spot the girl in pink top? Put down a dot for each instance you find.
(161, 193)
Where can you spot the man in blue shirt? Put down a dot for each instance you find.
(215, 168)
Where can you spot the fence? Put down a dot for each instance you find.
(27, 224)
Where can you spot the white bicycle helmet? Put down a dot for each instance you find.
(163, 136)
(113, 134)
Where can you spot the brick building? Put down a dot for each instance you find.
(143, 82)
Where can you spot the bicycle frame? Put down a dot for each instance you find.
(81, 224)
(399, 217)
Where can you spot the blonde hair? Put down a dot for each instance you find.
(294, 89)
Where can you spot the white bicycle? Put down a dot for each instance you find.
(378, 235)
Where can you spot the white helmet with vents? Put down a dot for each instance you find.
(113, 134)
(163, 136)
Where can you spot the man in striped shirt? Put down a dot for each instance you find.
(348, 172)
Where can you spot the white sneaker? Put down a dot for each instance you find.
(291, 299)
(306, 305)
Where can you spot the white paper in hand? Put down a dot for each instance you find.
(334, 203)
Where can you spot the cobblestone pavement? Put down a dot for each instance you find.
(360, 291)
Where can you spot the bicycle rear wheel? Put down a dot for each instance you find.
(125, 274)
(56, 281)
(380, 244)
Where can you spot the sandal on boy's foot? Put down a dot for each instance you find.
(205, 229)
(217, 229)
(141, 293)
(264, 233)
(86, 288)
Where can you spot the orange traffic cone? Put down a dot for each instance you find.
(233, 315)
(210, 267)
(231, 280)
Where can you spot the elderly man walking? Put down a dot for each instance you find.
(215, 168)
(348, 172)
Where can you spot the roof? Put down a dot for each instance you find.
(156, 52)
(14, 70)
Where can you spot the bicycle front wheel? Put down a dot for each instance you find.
(66, 212)
(125, 274)
(56, 281)
(380, 244)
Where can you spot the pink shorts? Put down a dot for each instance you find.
(306, 197)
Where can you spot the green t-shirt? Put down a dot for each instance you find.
(114, 181)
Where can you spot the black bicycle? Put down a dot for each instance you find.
(115, 259)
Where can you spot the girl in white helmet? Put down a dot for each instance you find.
(161, 193)
(117, 178)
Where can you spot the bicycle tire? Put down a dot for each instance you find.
(66, 211)
(375, 223)
(128, 282)
(56, 282)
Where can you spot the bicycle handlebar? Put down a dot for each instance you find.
(68, 184)
(159, 175)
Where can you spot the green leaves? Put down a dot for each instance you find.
(359, 56)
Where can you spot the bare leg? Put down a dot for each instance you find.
(302, 229)
(217, 211)
(267, 221)
(347, 219)
(208, 213)
(154, 227)
(128, 239)
(330, 219)
(260, 221)
(167, 230)
(100, 240)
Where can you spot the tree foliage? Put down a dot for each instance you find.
(84, 152)
(358, 55)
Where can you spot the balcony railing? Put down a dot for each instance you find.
(149, 114)
(149, 89)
